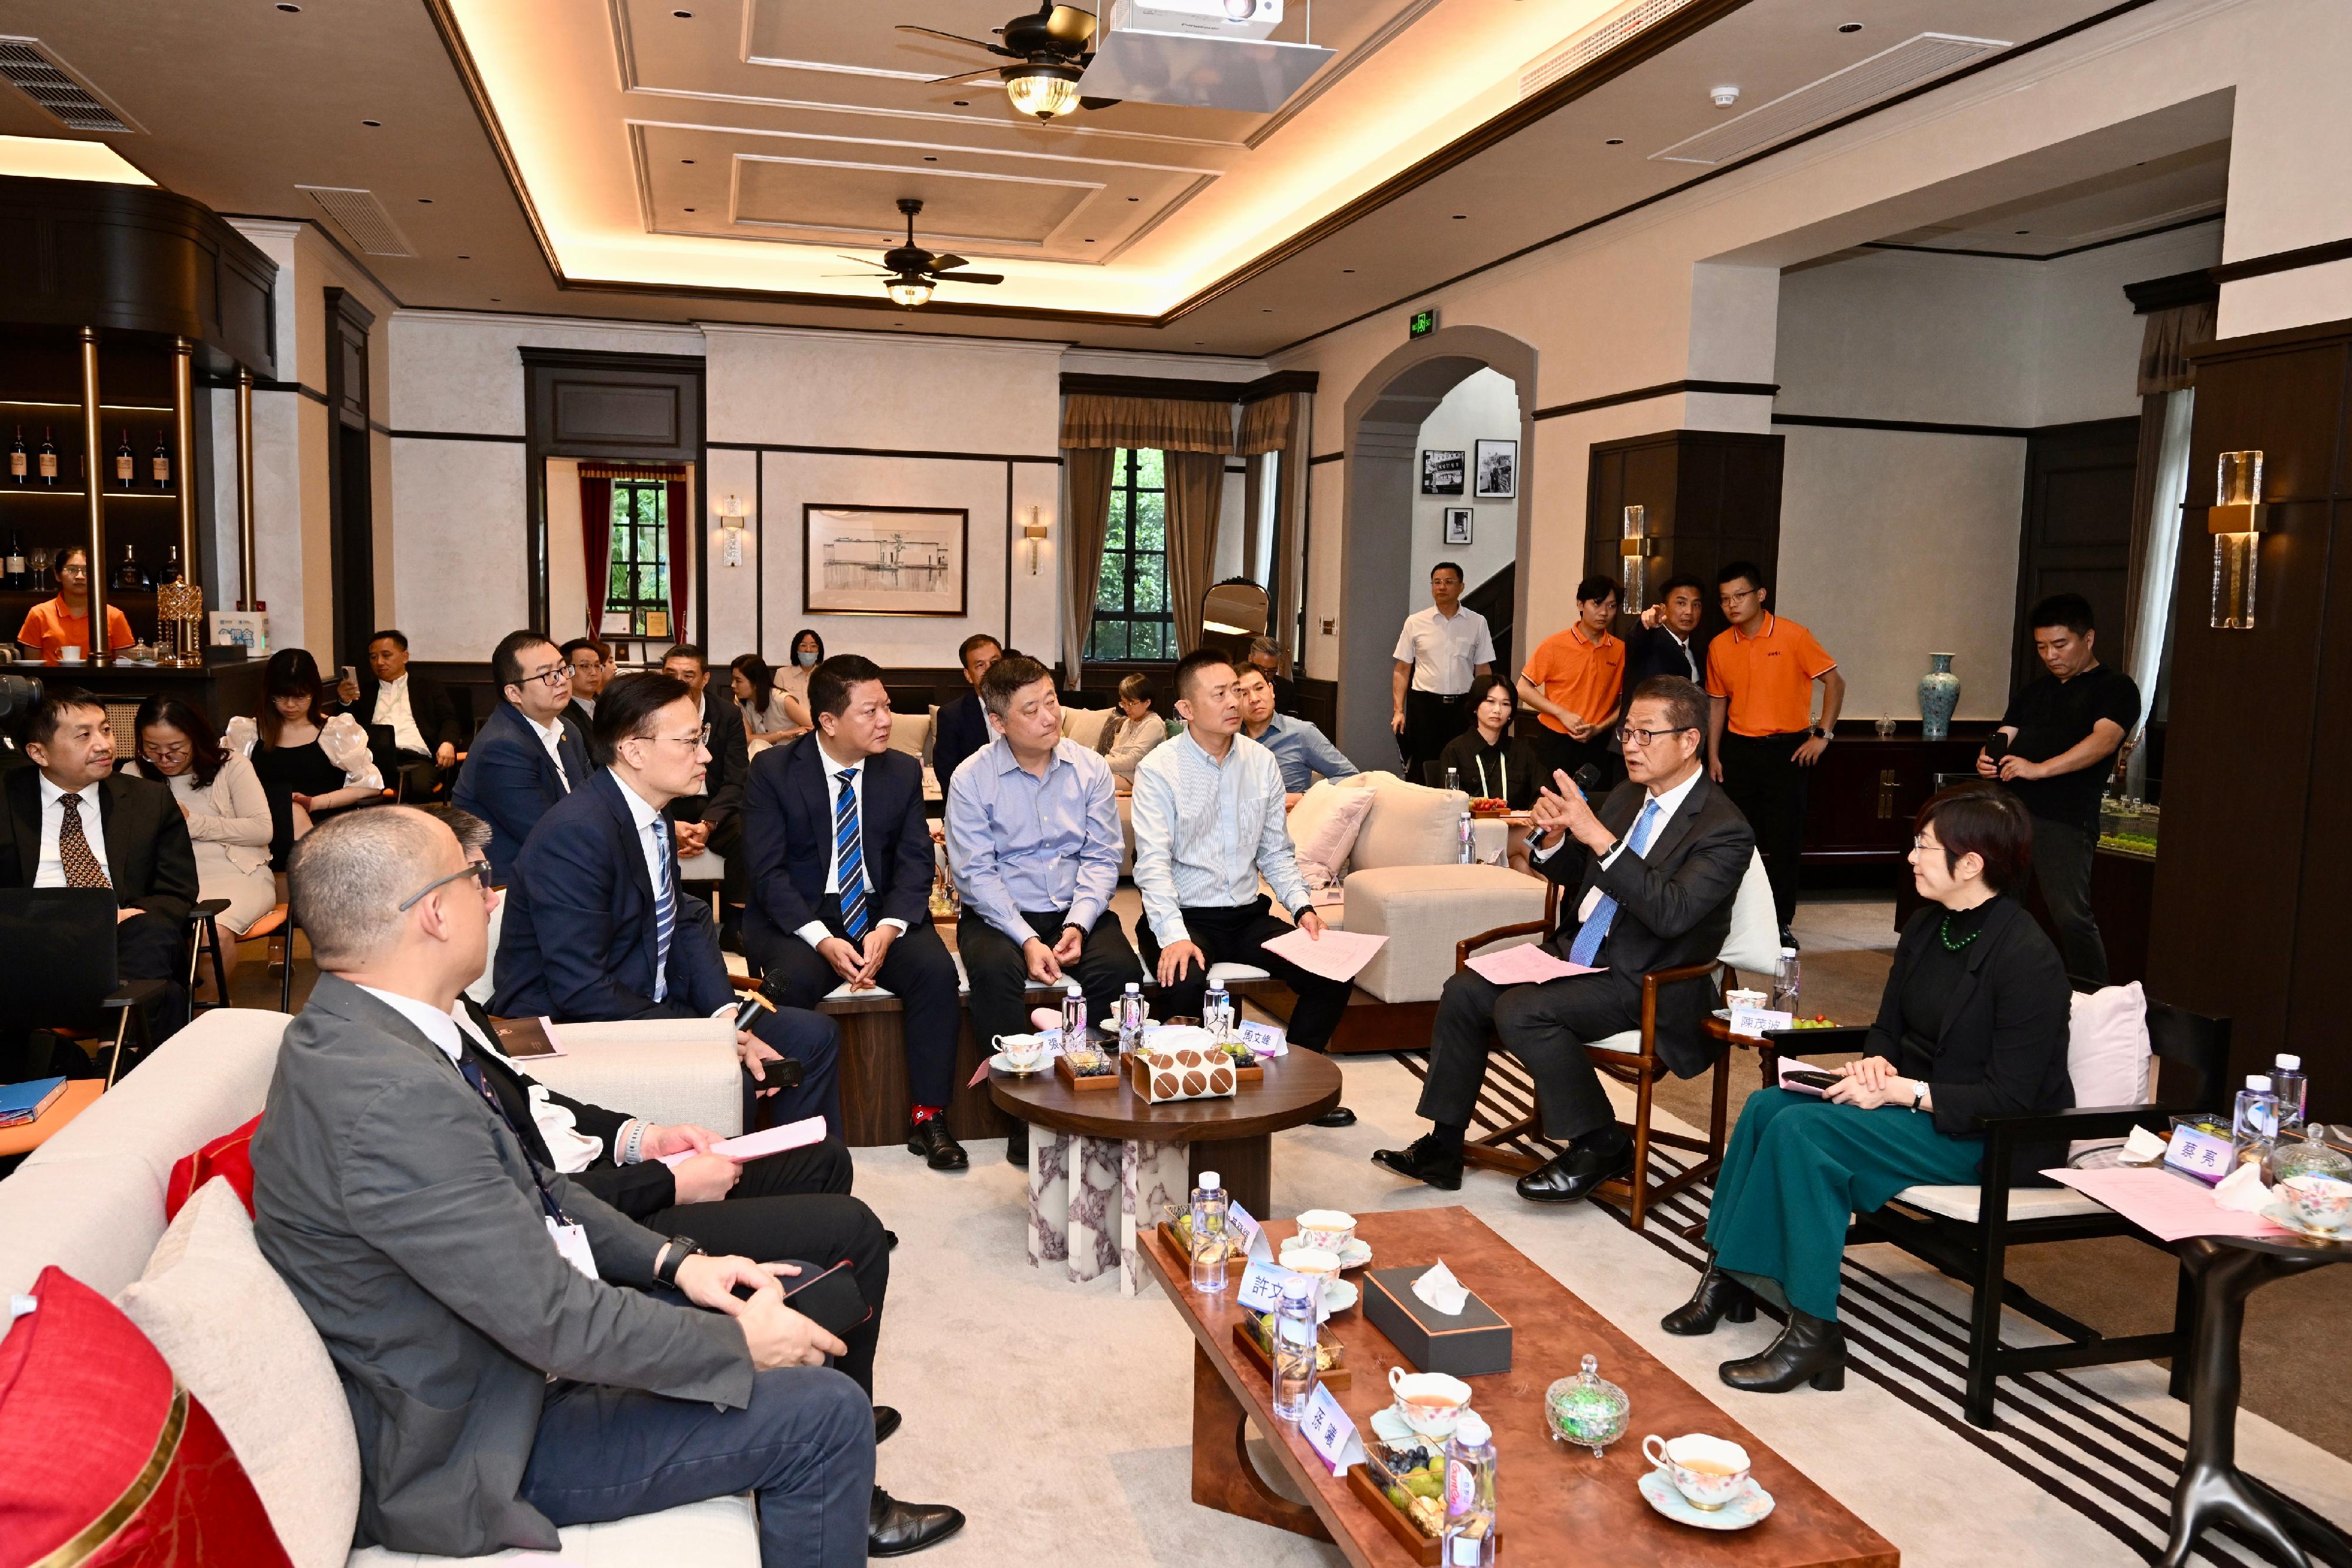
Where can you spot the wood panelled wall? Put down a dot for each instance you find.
(2252, 918)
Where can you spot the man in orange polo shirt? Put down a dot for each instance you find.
(1575, 683)
(1761, 735)
(64, 622)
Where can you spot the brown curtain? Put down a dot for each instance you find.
(2164, 362)
(596, 544)
(681, 555)
(1086, 477)
(1267, 424)
(1196, 492)
(1168, 424)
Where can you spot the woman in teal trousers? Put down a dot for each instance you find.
(1973, 1024)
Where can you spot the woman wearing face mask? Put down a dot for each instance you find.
(1493, 764)
(793, 677)
(753, 681)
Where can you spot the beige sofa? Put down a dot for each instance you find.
(90, 1201)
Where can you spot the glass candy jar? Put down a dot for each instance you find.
(1586, 1410)
(2309, 1156)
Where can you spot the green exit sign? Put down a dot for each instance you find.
(1424, 322)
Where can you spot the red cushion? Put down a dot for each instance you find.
(230, 1155)
(100, 1447)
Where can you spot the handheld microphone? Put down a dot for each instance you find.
(1588, 778)
(784, 1074)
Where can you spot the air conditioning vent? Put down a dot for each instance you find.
(1637, 17)
(361, 214)
(1906, 64)
(34, 69)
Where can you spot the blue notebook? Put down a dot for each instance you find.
(20, 1103)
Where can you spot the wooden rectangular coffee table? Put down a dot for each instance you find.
(1558, 1504)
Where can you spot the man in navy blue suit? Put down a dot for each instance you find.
(841, 882)
(529, 756)
(963, 724)
(596, 929)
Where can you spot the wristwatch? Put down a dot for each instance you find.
(1918, 1091)
(1820, 734)
(674, 1251)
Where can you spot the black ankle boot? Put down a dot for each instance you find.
(1719, 1298)
(1809, 1349)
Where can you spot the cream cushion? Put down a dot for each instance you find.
(668, 1070)
(1423, 911)
(1324, 827)
(45, 1217)
(1966, 1203)
(235, 1334)
(911, 733)
(719, 1533)
(1085, 724)
(1409, 824)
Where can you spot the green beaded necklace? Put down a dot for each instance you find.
(1945, 934)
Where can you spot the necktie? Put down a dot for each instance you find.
(665, 912)
(849, 856)
(1590, 936)
(74, 853)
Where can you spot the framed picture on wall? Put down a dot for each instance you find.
(1457, 525)
(884, 560)
(1441, 472)
(1498, 470)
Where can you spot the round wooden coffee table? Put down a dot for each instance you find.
(1093, 1153)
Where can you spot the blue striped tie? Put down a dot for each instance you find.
(849, 855)
(665, 913)
(1590, 936)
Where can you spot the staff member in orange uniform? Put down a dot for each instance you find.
(1761, 672)
(64, 622)
(1575, 683)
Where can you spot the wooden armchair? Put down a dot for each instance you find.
(1631, 1058)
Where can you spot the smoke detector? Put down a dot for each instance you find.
(1725, 96)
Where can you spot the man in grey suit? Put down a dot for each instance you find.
(499, 1383)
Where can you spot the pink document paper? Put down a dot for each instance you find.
(753, 1146)
(1336, 955)
(2166, 1207)
(1527, 963)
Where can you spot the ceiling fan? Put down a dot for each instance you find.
(1051, 44)
(910, 271)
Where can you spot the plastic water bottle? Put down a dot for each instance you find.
(1788, 984)
(1208, 1244)
(1453, 778)
(2290, 1085)
(1469, 851)
(1217, 1012)
(1469, 1491)
(1293, 1350)
(1074, 1020)
(2255, 1124)
(1130, 1017)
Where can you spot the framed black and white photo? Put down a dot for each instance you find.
(1498, 470)
(884, 560)
(1441, 472)
(1457, 525)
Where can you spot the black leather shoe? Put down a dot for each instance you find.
(886, 1421)
(1570, 1177)
(938, 1146)
(1421, 1162)
(1016, 1145)
(893, 1528)
(1719, 1298)
(1342, 1117)
(1809, 1349)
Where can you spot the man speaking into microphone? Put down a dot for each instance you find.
(1655, 866)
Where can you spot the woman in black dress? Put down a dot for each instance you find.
(1493, 763)
(303, 783)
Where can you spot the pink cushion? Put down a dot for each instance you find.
(1323, 828)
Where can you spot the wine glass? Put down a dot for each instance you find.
(41, 568)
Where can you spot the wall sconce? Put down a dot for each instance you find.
(1636, 547)
(730, 535)
(1035, 531)
(2235, 521)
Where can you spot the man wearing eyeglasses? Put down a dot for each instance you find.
(1655, 868)
(597, 927)
(529, 756)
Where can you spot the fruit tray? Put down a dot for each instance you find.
(1084, 1085)
(1337, 1377)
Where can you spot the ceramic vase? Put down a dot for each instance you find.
(1939, 694)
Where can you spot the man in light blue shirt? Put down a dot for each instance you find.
(1208, 814)
(1302, 748)
(1033, 841)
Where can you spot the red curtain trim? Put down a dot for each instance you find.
(597, 544)
(681, 557)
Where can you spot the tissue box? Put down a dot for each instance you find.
(1470, 1345)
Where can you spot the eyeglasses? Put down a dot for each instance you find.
(177, 753)
(560, 673)
(700, 738)
(480, 871)
(1641, 739)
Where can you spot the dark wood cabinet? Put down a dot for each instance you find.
(1712, 495)
(1865, 791)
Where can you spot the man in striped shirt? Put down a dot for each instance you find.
(1208, 816)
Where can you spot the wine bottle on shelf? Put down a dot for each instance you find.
(127, 576)
(171, 570)
(17, 461)
(162, 463)
(11, 569)
(48, 457)
(125, 465)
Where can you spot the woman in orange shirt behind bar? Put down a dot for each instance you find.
(64, 622)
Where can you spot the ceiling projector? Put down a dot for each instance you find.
(1200, 54)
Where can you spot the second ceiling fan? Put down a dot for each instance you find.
(909, 272)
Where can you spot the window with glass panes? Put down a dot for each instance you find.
(639, 579)
(1131, 615)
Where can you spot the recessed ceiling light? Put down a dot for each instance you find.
(376, 123)
(686, 160)
(1266, 310)
(961, 103)
(1135, 198)
(1461, 217)
(683, 16)
(689, 209)
(2025, 231)
(1848, 27)
(1614, 142)
(496, 301)
(424, 201)
(1347, 269)
(1090, 242)
(929, 158)
(465, 259)
(290, 10)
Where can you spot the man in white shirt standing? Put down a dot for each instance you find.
(1440, 652)
(1208, 818)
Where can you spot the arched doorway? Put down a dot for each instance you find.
(1384, 422)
